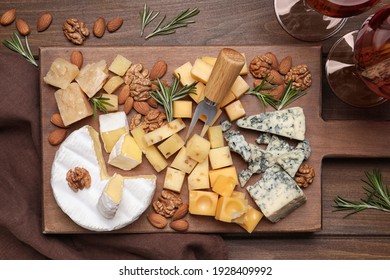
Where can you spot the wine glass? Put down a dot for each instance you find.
(358, 65)
(315, 20)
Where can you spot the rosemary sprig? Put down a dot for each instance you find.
(147, 16)
(181, 20)
(265, 98)
(378, 196)
(289, 96)
(167, 94)
(100, 103)
(16, 45)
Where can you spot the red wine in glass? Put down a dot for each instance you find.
(341, 8)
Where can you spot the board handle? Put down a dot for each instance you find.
(225, 72)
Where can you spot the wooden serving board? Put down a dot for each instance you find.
(336, 138)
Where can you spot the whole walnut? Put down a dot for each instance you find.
(260, 66)
(75, 30)
(300, 76)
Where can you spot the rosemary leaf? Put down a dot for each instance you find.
(100, 103)
(377, 196)
(181, 20)
(289, 96)
(16, 45)
(265, 98)
(147, 16)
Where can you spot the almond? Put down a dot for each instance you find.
(180, 212)
(23, 27)
(44, 22)
(57, 120)
(257, 82)
(285, 65)
(76, 57)
(157, 220)
(128, 104)
(158, 70)
(152, 102)
(274, 59)
(123, 95)
(275, 78)
(114, 24)
(99, 27)
(141, 107)
(57, 136)
(8, 17)
(278, 91)
(179, 225)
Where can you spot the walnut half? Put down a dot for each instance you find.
(305, 175)
(78, 179)
(167, 204)
(75, 30)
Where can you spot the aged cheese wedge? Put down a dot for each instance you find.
(82, 148)
(92, 77)
(109, 201)
(126, 154)
(289, 123)
(276, 194)
(112, 127)
(61, 73)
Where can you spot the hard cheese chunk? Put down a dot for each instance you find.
(92, 77)
(113, 84)
(120, 65)
(182, 109)
(226, 171)
(276, 194)
(61, 73)
(224, 185)
(174, 179)
(151, 153)
(288, 122)
(199, 177)
(183, 162)
(202, 203)
(235, 110)
(126, 154)
(171, 145)
(215, 135)
(72, 104)
(109, 201)
(198, 148)
(250, 219)
(111, 104)
(220, 157)
(164, 131)
(229, 208)
(112, 127)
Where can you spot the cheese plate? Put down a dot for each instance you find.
(306, 218)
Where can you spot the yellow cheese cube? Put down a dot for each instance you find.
(220, 157)
(201, 71)
(199, 177)
(211, 60)
(120, 65)
(182, 109)
(151, 153)
(226, 171)
(171, 145)
(113, 84)
(126, 154)
(238, 194)
(250, 219)
(229, 98)
(244, 70)
(198, 148)
(184, 72)
(203, 118)
(199, 92)
(73, 104)
(235, 110)
(202, 203)
(224, 185)
(183, 162)
(111, 99)
(174, 179)
(215, 135)
(239, 87)
(229, 208)
(164, 131)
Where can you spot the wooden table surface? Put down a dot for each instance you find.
(365, 235)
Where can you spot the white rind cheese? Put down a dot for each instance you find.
(126, 154)
(111, 197)
(276, 194)
(82, 148)
(289, 123)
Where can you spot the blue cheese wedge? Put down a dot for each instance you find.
(226, 125)
(289, 123)
(260, 159)
(263, 138)
(305, 147)
(244, 176)
(238, 144)
(291, 161)
(276, 194)
(278, 146)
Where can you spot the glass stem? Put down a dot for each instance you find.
(306, 6)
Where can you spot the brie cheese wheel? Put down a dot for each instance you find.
(82, 148)
(112, 127)
(126, 154)
(109, 201)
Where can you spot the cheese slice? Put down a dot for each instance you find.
(112, 127)
(109, 201)
(125, 154)
(82, 148)
(289, 123)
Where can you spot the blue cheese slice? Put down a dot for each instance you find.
(276, 194)
(260, 159)
(291, 161)
(226, 125)
(278, 146)
(238, 144)
(289, 123)
(305, 147)
(244, 176)
(263, 138)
